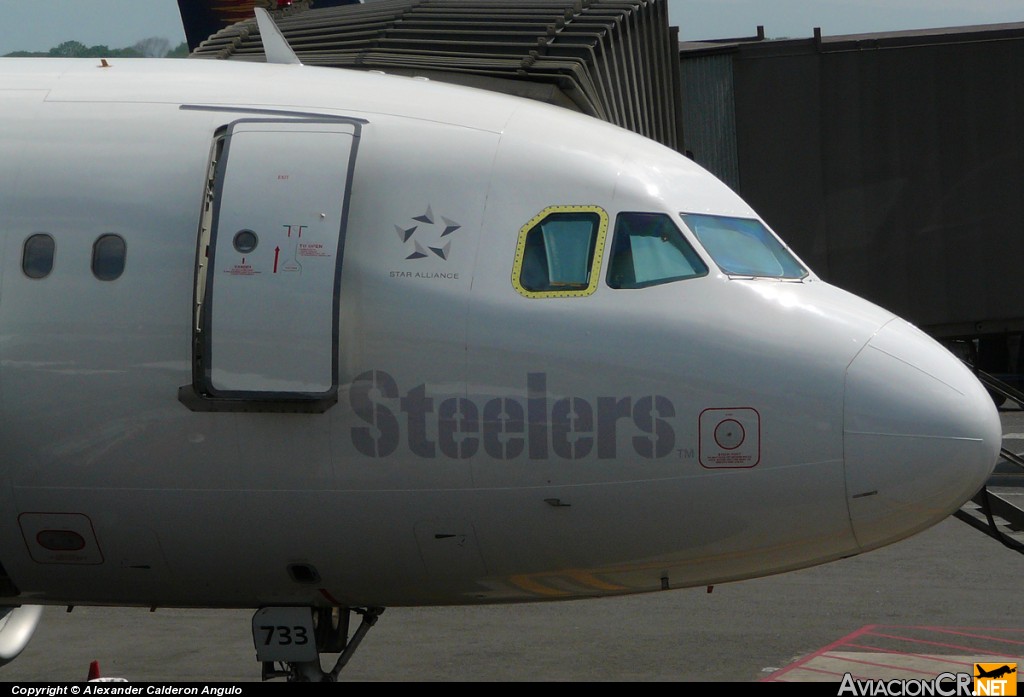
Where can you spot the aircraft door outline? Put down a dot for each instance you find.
(268, 266)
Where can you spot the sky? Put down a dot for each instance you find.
(38, 25)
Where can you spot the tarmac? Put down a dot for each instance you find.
(937, 602)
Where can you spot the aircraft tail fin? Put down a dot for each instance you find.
(203, 18)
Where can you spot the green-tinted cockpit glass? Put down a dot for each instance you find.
(649, 250)
(743, 247)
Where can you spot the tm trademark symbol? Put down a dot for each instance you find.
(685, 453)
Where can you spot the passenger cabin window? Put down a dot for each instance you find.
(559, 252)
(37, 256)
(648, 249)
(744, 247)
(108, 255)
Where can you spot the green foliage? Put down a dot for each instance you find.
(70, 49)
(76, 49)
(179, 51)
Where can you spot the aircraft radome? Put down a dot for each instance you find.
(311, 341)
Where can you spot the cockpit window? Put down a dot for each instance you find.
(743, 247)
(559, 252)
(648, 249)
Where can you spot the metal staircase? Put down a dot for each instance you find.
(998, 508)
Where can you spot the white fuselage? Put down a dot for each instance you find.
(467, 442)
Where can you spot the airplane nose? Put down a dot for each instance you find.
(921, 435)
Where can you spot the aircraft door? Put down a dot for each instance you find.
(269, 266)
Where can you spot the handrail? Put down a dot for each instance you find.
(996, 385)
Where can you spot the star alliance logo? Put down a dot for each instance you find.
(429, 236)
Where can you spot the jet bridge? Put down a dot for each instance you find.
(890, 162)
(616, 60)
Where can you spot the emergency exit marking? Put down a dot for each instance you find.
(314, 249)
(242, 269)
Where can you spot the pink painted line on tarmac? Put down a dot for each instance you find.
(818, 670)
(945, 645)
(876, 664)
(922, 656)
(987, 637)
(811, 656)
(939, 628)
(849, 641)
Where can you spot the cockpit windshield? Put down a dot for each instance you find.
(743, 247)
(649, 250)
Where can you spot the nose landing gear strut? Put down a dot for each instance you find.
(290, 640)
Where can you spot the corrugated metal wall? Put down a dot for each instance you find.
(893, 164)
(709, 118)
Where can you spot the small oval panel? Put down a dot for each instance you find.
(60, 540)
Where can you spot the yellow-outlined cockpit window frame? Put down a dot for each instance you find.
(595, 267)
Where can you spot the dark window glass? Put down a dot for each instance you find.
(245, 241)
(649, 250)
(37, 257)
(559, 252)
(108, 256)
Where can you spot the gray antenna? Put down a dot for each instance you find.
(275, 46)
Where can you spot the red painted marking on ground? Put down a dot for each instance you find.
(810, 657)
(922, 656)
(984, 636)
(876, 664)
(938, 628)
(812, 670)
(945, 645)
(854, 641)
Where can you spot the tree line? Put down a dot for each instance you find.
(153, 47)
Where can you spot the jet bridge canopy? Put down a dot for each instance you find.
(615, 60)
